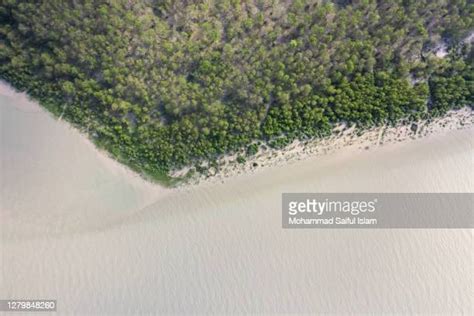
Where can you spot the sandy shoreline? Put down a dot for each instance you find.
(345, 139)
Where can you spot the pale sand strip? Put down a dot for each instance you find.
(348, 140)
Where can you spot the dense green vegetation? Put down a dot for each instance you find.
(163, 84)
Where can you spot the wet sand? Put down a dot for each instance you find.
(79, 228)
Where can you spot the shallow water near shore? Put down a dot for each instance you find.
(79, 228)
